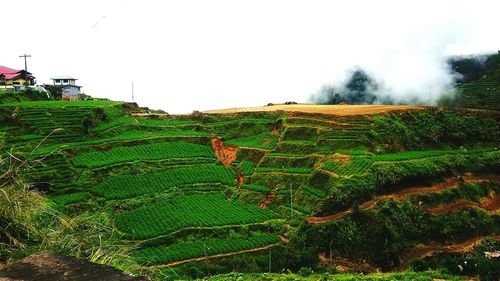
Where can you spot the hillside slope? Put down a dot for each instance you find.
(212, 193)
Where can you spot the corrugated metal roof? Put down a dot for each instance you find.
(63, 77)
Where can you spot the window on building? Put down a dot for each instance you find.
(65, 81)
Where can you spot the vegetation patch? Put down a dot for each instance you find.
(126, 186)
(203, 248)
(188, 212)
(265, 140)
(155, 151)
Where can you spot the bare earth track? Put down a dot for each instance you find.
(254, 250)
(319, 109)
(490, 205)
(421, 251)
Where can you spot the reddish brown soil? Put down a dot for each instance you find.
(316, 220)
(343, 265)
(240, 181)
(277, 129)
(492, 204)
(320, 109)
(226, 154)
(267, 199)
(421, 251)
(48, 266)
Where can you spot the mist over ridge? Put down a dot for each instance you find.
(379, 86)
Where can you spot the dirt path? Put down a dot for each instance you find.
(343, 265)
(321, 109)
(421, 250)
(48, 266)
(400, 195)
(176, 263)
(226, 154)
(491, 205)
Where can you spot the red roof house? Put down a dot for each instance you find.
(9, 76)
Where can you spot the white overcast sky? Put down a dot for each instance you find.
(195, 55)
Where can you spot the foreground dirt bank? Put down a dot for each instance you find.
(48, 266)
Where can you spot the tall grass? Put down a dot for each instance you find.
(31, 223)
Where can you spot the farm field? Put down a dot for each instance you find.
(189, 196)
(193, 211)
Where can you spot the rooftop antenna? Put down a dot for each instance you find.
(132, 91)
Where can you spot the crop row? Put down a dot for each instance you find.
(188, 212)
(126, 136)
(209, 247)
(247, 168)
(120, 121)
(165, 122)
(60, 104)
(70, 198)
(265, 140)
(257, 188)
(291, 170)
(418, 154)
(287, 161)
(348, 166)
(125, 186)
(155, 151)
(314, 191)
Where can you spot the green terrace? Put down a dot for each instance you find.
(154, 151)
(191, 211)
(126, 186)
(185, 250)
(265, 140)
(128, 136)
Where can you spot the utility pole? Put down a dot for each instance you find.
(25, 62)
(291, 200)
(270, 261)
(132, 91)
(25, 66)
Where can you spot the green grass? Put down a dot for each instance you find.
(314, 191)
(71, 198)
(247, 167)
(348, 166)
(466, 191)
(418, 154)
(289, 170)
(191, 211)
(165, 122)
(123, 137)
(126, 186)
(120, 121)
(199, 248)
(257, 188)
(264, 140)
(91, 103)
(155, 151)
